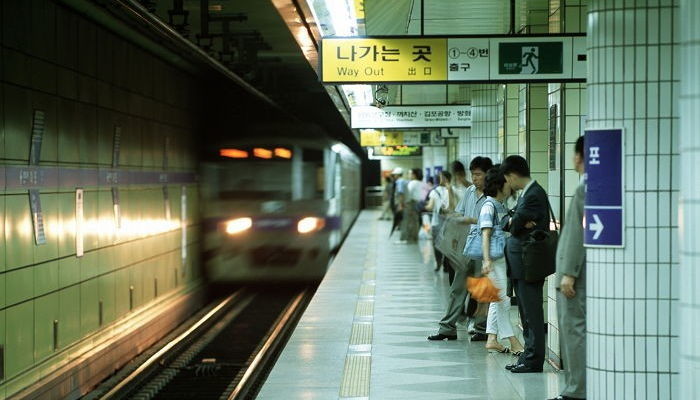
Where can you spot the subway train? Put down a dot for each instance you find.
(275, 207)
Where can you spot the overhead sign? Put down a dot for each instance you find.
(604, 206)
(451, 116)
(372, 137)
(521, 58)
(382, 138)
(354, 59)
(396, 151)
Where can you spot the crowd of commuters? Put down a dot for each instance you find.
(503, 204)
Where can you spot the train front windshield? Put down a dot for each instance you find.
(263, 174)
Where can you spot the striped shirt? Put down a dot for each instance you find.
(471, 204)
(490, 211)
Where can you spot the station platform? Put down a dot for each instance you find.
(364, 334)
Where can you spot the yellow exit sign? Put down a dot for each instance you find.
(345, 60)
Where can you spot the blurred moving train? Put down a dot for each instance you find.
(276, 207)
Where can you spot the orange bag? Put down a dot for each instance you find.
(483, 290)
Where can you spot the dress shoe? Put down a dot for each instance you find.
(479, 337)
(524, 369)
(511, 366)
(440, 336)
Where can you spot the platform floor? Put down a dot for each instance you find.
(364, 334)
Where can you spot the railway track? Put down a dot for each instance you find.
(224, 354)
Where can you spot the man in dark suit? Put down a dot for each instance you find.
(530, 213)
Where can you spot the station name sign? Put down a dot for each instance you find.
(424, 59)
(453, 116)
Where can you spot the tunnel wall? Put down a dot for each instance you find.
(89, 83)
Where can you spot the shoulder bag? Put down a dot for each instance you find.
(473, 249)
(540, 250)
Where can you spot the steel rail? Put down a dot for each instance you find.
(265, 351)
(160, 354)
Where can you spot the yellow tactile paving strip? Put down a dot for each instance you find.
(361, 333)
(366, 290)
(358, 361)
(364, 309)
(356, 375)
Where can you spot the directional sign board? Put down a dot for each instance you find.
(445, 116)
(604, 205)
(519, 58)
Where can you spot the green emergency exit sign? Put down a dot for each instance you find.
(531, 58)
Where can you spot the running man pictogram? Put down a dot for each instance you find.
(530, 58)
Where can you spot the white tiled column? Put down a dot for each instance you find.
(632, 321)
(486, 112)
(689, 306)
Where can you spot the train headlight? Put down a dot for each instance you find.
(310, 224)
(238, 225)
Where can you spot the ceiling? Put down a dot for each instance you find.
(278, 69)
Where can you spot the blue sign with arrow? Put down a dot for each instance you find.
(604, 222)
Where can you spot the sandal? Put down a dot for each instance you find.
(517, 353)
(504, 350)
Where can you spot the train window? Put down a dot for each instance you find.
(313, 155)
(259, 180)
(314, 173)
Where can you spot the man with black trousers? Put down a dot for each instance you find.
(531, 213)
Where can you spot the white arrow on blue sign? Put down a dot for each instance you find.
(604, 208)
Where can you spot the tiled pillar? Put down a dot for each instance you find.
(486, 111)
(632, 321)
(689, 306)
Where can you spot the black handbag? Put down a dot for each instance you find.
(540, 252)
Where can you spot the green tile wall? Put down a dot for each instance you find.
(87, 81)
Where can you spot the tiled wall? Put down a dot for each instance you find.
(538, 132)
(689, 147)
(632, 323)
(513, 144)
(486, 112)
(87, 81)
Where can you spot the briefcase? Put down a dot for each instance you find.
(540, 251)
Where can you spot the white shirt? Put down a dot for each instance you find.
(527, 186)
(460, 192)
(441, 201)
(415, 190)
